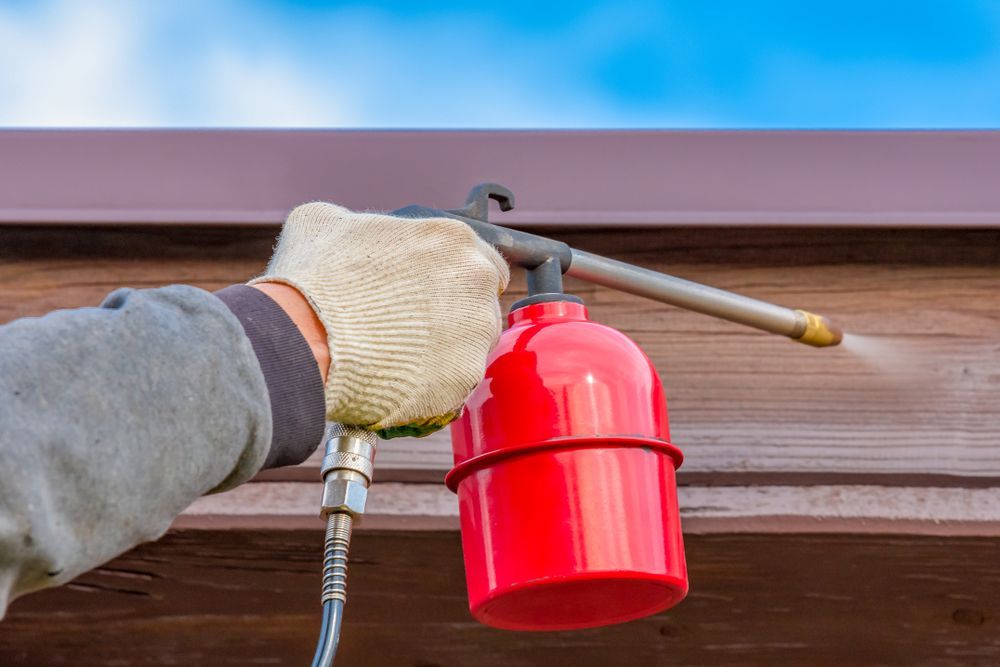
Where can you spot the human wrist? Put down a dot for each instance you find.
(291, 373)
(297, 307)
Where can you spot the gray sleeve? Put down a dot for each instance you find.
(114, 419)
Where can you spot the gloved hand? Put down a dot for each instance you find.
(410, 309)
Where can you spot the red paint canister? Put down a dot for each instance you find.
(566, 478)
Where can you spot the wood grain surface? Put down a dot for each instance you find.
(244, 597)
(920, 408)
(755, 413)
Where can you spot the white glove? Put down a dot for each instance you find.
(410, 309)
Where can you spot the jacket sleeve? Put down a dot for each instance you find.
(114, 419)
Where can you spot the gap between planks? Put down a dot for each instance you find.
(704, 510)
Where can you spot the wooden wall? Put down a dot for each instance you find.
(225, 597)
(840, 508)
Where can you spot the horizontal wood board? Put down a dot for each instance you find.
(249, 597)
(921, 409)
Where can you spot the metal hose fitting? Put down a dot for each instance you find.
(347, 469)
(347, 472)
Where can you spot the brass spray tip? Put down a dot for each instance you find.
(818, 331)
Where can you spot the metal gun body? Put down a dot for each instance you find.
(547, 260)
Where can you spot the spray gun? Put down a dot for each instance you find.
(569, 434)
(546, 261)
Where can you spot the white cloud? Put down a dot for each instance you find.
(228, 64)
(71, 64)
(268, 92)
(77, 63)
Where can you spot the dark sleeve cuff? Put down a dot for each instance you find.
(294, 383)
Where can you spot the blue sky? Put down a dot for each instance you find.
(681, 64)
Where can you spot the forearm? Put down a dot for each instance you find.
(114, 419)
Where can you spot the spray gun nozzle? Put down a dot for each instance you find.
(818, 331)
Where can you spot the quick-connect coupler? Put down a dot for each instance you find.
(347, 469)
(347, 473)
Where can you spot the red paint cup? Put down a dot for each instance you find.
(566, 479)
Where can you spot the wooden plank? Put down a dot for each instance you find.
(234, 598)
(921, 410)
(704, 510)
(633, 178)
